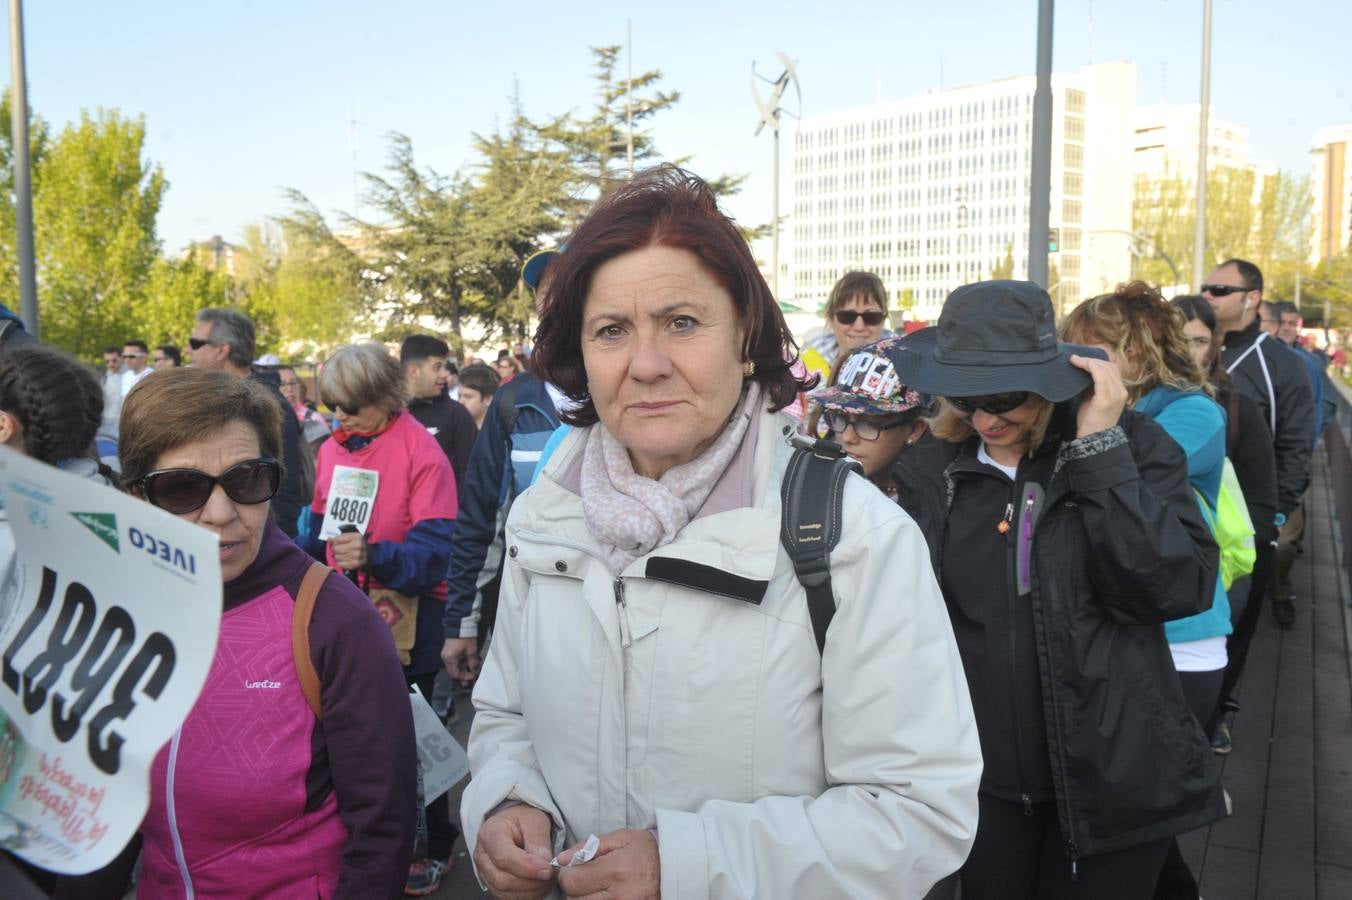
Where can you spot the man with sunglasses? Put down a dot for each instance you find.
(135, 356)
(1270, 373)
(223, 339)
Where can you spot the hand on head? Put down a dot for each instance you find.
(1102, 402)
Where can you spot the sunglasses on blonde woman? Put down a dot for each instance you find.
(995, 404)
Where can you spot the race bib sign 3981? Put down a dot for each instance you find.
(109, 615)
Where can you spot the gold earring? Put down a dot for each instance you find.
(749, 369)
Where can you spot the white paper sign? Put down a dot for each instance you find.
(352, 496)
(109, 616)
(444, 762)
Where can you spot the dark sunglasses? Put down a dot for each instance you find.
(197, 343)
(132, 355)
(865, 429)
(1223, 290)
(995, 404)
(180, 491)
(872, 318)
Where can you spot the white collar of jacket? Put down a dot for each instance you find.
(742, 543)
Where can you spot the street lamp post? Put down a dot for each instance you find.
(770, 115)
(1203, 118)
(1040, 183)
(23, 177)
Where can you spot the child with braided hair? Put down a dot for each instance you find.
(50, 407)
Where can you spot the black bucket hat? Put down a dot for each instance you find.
(994, 337)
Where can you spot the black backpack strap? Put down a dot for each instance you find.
(812, 493)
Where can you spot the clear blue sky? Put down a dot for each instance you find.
(242, 99)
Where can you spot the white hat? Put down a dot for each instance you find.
(268, 359)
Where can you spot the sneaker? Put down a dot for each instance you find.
(1220, 741)
(424, 876)
(1284, 611)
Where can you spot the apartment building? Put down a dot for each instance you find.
(932, 192)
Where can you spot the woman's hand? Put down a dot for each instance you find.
(1101, 405)
(349, 550)
(627, 866)
(512, 854)
(460, 656)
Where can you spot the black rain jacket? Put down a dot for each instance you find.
(1271, 374)
(1110, 544)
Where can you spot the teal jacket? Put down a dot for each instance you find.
(1197, 424)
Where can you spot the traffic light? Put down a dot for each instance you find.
(1054, 240)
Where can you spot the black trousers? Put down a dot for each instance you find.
(441, 831)
(1021, 856)
(1176, 880)
(1237, 648)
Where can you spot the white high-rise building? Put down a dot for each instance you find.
(932, 192)
(1166, 141)
(1331, 185)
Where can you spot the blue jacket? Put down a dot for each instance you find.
(1323, 407)
(1197, 425)
(487, 494)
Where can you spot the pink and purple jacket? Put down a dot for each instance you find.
(254, 797)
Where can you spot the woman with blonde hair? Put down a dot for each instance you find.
(1144, 337)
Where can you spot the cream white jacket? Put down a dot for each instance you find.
(767, 769)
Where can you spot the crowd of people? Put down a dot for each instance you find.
(1044, 583)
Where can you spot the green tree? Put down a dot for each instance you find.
(598, 143)
(1004, 268)
(173, 292)
(1263, 221)
(94, 221)
(300, 284)
(521, 194)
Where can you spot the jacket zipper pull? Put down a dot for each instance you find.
(1027, 805)
(1074, 861)
(624, 613)
(1003, 527)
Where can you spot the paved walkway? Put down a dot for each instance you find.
(1291, 832)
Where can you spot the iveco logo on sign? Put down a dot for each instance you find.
(163, 552)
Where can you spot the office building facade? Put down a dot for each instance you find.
(932, 192)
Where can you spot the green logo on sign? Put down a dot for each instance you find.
(104, 526)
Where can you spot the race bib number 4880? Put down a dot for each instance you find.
(351, 500)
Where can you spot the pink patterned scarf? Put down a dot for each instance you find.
(631, 515)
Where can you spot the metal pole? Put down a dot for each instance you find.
(1297, 288)
(1203, 116)
(774, 217)
(1040, 201)
(629, 93)
(23, 178)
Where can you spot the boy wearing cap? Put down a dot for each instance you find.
(870, 412)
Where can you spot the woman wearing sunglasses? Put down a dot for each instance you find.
(401, 555)
(255, 796)
(856, 312)
(870, 412)
(1064, 531)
